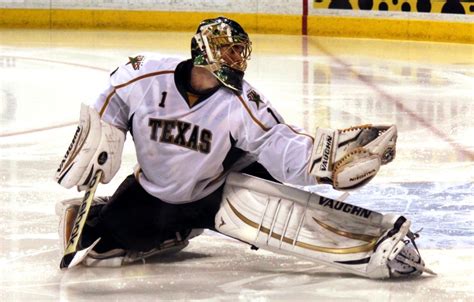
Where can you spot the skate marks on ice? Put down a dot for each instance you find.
(444, 211)
(213, 267)
(217, 268)
(220, 268)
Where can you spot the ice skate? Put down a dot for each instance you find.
(408, 262)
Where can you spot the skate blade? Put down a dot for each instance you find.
(419, 267)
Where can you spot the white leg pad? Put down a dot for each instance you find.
(287, 220)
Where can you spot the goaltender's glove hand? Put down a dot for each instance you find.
(349, 158)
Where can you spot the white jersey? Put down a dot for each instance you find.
(183, 151)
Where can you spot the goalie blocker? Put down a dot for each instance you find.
(287, 220)
(96, 145)
(351, 157)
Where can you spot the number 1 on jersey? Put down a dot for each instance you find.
(163, 99)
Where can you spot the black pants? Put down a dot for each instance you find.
(136, 220)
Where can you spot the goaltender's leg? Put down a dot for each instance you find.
(288, 220)
(135, 220)
(132, 222)
(132, 219)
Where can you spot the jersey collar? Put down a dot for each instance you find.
(182, 79)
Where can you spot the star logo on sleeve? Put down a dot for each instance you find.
(136, 62)
(254, 97)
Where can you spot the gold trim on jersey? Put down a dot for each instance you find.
(264, 128)
(261, 125)
(107, 100)
(192, 98)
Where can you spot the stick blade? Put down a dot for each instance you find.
(66, 260)
(74, 258)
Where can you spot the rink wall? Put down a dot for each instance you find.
(431, 20)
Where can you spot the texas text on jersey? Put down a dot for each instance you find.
(171, 124)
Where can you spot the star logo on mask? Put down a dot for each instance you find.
(254, 97)
(136, 62)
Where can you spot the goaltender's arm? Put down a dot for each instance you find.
(284, 150)
(345, 158)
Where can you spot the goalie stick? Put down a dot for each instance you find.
(71, 253)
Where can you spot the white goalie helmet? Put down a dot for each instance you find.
(222, 46)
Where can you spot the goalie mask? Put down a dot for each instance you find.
(222, 46)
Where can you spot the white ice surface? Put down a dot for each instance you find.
(426, 88)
